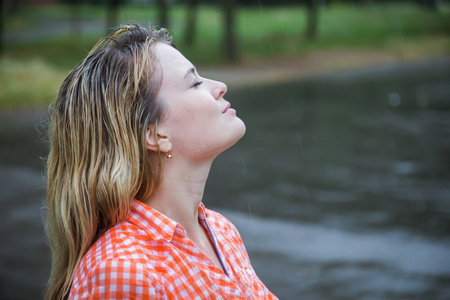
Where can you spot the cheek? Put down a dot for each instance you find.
(192, 119)
(197, 112)
(181, 117)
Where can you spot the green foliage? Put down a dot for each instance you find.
(28, 82)
(374, 25)
(263, 32)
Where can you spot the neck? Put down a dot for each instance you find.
(181, 192)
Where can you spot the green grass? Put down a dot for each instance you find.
(30, 82)
(263, 33)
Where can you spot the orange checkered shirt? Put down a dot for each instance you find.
(148, 256)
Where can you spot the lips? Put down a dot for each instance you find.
(226, 108)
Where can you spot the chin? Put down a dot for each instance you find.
(233, 136)
(244, 128)
(240, 131)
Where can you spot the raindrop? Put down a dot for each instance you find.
(218, 169)
(260, 6)
(251, 218)
(244, 167)
(422, 100)
(394, 99)
(301, 145)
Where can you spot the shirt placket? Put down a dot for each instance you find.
(234, 286)
(230, 287)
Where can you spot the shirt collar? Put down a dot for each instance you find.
(157, 225)
(202, 212)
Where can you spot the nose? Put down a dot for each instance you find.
(219, 89)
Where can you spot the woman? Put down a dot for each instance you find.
(134, 131)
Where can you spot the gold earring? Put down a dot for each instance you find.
(168, 155)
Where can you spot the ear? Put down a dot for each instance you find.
(156, 138)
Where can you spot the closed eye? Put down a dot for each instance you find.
(197, 83)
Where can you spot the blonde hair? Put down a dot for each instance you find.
(98, 161)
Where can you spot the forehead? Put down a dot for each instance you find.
(170, 59)
(173, 67)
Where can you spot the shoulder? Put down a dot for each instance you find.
(116, 279)
(123, 241)
(117, 263)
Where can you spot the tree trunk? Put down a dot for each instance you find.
(75, 20)
(191, 22)
(163, 13)
(1, 26)
(15, 5)
(312, 7)
(431, 5)
(230, 41)
(112, 15)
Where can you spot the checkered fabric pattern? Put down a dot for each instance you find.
(148, 256)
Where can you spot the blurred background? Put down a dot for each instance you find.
(341, 185)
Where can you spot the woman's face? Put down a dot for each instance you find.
(198, 121)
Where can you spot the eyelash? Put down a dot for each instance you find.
(197, 83)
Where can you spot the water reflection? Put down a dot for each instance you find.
(323, 262)
(363, 158)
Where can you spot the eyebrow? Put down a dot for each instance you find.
(191, 70)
